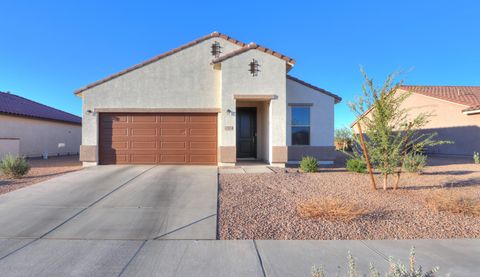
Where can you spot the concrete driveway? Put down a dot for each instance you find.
(116, 202)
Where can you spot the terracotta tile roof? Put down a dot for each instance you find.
(472, 108)
(337, 98)
(464, 95)
(178, 49)
(250, 46)
(16, 105)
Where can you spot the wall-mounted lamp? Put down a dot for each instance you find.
(230, 112)
(89, 111)
(216, 49)
(254, 67)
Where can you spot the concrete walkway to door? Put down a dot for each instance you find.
(116, 202)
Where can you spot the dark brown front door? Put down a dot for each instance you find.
(177, 138)
(246, 132)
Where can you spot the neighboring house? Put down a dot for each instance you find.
(214, 101)
(31, 129)
(456, 115)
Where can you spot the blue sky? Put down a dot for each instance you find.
(49, 49)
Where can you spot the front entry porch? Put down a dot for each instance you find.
(252, 131)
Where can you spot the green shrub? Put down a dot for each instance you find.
(309, 164)
(396, 269)
(14, 166)
(356, 165)
(415, 162)
(476, 157)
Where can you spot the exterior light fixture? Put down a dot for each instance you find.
(254, 67)
(216, 49)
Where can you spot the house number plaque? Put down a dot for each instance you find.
(228, 128)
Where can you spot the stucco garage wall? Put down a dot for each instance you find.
(37, 136)
(9, 146)
(449, 122)
(185, 79)
(237, 80)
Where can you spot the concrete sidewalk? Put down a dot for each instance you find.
(55, 257)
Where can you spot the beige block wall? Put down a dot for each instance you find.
(37, 136)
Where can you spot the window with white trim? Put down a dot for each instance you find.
(300, 124)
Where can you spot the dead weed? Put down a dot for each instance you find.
(331, 209)
(448, 201)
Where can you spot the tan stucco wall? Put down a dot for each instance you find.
(321, 113)
(9, 146)
(37, 136)
(449, 122)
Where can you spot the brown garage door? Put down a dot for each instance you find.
(127, 138)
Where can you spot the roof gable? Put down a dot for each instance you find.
(245, 47)
(321, 90)
(19, 106)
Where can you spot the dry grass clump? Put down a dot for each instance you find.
(445, 201)
(331, 209)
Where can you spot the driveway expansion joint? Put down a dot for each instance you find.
(132, 258)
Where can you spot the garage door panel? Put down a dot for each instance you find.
(115, 159)
(197, 132)
(138, 131)
(203, 159)
(143, 158)
(203, 119)
(109, 132)
(143, 118)
(174, 145)
(173, 132)
(144, 145)
(112, 119)
(202, 145)
(174, 119)
(117, 145)
(173, 159)
(158, 138)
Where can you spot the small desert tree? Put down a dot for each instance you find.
(391, 132)
(343, 137)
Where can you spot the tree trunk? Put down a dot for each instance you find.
(385, 180)
(369, 166)
(395, 186)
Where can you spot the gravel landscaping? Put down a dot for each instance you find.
(41, 170)
(264, 206)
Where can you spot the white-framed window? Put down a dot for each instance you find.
(300, 125)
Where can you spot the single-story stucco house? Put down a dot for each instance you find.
(456, 115)
(215, 100)
(32, 129)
